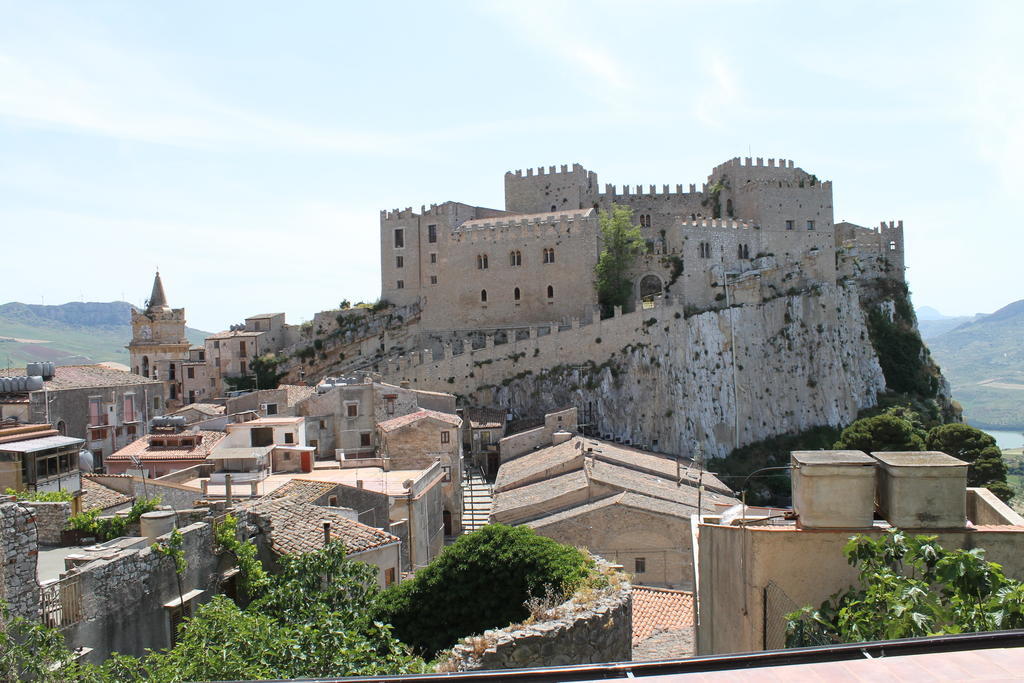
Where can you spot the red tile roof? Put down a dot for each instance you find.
(141, 449)
(660, 609)
(298, 528)
(80, 376)
(96, 496)
(403, 420)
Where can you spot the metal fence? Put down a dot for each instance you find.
(778, 632)
(62, 602)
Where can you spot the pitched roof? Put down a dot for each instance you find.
(303, 490)
(157, 298)
(627, 479)
(298, 528)
(84, 376)
(96, 496)
(525, 498)
(557, 459)
(211, 409)
(547, 215)
(403, 420)
(485, 418)
(660, 609)
(141, 449)
(627, 499)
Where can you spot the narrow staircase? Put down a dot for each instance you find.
(477, 497)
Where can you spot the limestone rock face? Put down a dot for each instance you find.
(800, 361)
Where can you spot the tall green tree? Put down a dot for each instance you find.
(620, 243)
(911, 587)
(973, 446)
(885, 432)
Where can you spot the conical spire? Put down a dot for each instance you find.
(157, 300)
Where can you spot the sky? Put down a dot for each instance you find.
(246, 148)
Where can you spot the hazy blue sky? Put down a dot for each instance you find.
(246, 148)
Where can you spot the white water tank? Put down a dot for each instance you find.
(833, 489)
(156, 523)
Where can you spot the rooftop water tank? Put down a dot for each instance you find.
(922, 489)
(833, 489)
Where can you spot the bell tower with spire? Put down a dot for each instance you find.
(159, 346)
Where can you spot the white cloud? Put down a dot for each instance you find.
(720, 93)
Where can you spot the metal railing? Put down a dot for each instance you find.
(61, 602)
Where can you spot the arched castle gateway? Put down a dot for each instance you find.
(533, 262)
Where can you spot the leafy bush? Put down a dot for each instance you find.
(977, 448)
(42, 496)
(106, 528)
(912, 588)
(479, 582)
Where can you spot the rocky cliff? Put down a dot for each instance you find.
(800, 361)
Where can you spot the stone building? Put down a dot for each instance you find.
(483, 430)
(756, 565)
(163, 451)
(159, 345)
(470, 267)
(626, 505)
(107, 407)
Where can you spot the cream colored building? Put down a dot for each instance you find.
(159, 346)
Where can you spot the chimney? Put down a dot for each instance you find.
(327, 532)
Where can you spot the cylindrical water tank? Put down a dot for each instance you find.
(156, 523)
(49, 371)
(35, 383)
(34, 369)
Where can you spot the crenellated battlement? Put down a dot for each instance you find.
(519, 226)
(720, 223)
(398, 214)
(753, 162)
(551, 170)
(893, 225)
(611, 191)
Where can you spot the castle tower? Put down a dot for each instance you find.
(556, 189)
(159, 346)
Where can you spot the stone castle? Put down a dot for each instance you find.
(761, 228)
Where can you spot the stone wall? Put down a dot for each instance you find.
(18, 552)
(599, 630)
(51, 518)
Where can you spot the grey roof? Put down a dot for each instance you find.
(831, 458)
(157, 299)
(40, 444)
(242, 453)
(917, 459)
(625, 499)
(535, 494)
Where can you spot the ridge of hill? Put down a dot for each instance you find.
(983, 358)
(72, 333)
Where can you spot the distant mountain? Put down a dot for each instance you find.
(929, 313)
(931, 323)
(983, 358)
(76, 332)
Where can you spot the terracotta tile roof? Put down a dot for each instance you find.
(660, 609)
(403, 420)
(96, 496)
(298, 528)
(140, 448)
(83, 376)
(303, 490)
(212, 409)
(485, 418)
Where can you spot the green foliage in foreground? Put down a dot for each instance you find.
(312, 620)
(479, 582)
(106, 528)
(41, 496)
(909, 588)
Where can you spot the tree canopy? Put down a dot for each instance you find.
(911, 587)
(973, 446)
(885, 432)
(620, 242)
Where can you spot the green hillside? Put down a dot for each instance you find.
(72, 333)
(984, 361)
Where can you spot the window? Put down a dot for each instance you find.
(364, 439)
(171, 371)
(789, 225)
(705, 250)
(352, 410)
(128, 405)
(174, 391)
(640, 565)
(271, 409)
(242, 368)
(432, 233)
(95, 411)
(190, 372)
(287, 456)
(549, 255)
(289, 437)
(743, 251)
(399, 238)
(241, 348)
(202, 355)
(389, 576)
(515, 294)
(551, 292)
(483, 296)
(515, 258)
(433, 279)
(399, 262)
(400, 284)
(645, 220)
(433, 257)
(323, 425)
(156, 403)
(810, 225)
(447, 470)
(216, 343)
(389, 404)
(892, 246)
(445, 436)
(481, 261)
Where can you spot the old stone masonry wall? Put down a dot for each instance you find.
(666, 380)
(18, 551)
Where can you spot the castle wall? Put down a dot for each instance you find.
(545, 190)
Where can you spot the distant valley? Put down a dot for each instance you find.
(983, 358)
(68, 334)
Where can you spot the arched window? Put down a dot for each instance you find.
(515, 294)
(549, 255)
(483, 296)
(515, 258)
(62, 427)
(145, 366)
(553, 208)
(892, 245)
(551, 292)
(645, 220)
(481, 261)
(728, 207)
